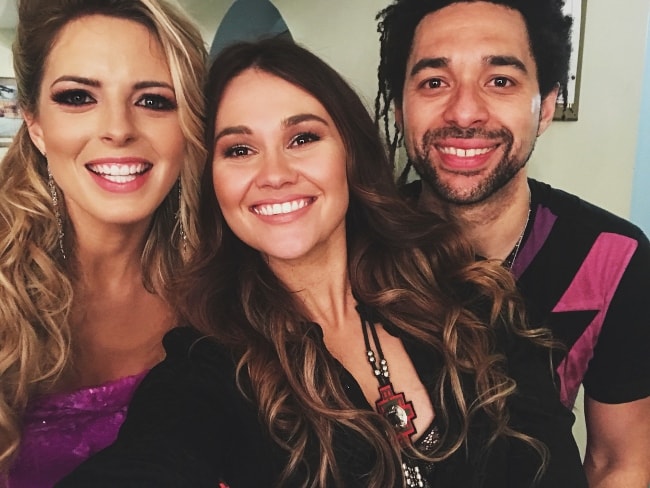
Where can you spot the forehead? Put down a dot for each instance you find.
(467, 30)
(255, 92)
(103, 43)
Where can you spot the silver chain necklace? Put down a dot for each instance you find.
(509, 261)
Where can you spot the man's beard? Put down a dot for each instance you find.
(505, 171)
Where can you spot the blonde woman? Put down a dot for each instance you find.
(98, 196)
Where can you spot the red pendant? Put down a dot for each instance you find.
(398, 411)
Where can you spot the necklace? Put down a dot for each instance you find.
(509, 261)
(393, 406)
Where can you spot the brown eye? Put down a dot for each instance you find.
(501, 82)
(304, 138)
(237, 152)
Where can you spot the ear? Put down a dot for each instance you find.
(35, 131)
(547, 110)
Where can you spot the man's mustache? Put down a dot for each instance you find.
(434, 135)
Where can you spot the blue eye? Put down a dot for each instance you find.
(73, 97)
(156, 102)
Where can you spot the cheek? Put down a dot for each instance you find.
(61, 137)
(219, 189)
(337, 180)
(167, 139)
(229, 187)
(335, 173)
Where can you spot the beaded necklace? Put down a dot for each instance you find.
(393, 406)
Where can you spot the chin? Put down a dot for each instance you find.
(284, 254)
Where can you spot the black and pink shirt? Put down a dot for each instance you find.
(585, 274)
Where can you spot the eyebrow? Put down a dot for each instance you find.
(288, 122)
(494, 60)
(307, 117)
(503, 60)
(77, 79)
(429, 63)
(237, 129)
(96, 83)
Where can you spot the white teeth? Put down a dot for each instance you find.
(464, 153)
(280, 208)
(118, 169)
(120, 178)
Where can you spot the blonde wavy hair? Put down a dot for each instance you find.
(37, 286)
(414, 269)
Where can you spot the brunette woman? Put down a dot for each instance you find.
(344, 338)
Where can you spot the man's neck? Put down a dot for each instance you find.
(493, 226)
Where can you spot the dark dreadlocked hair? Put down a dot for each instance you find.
(549, 33)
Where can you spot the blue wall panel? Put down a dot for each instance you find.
(640, 214)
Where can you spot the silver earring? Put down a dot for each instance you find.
(57, 212)
(181, 229)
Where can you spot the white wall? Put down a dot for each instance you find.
(6, 67)
(595, 156)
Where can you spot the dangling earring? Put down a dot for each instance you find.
(57, 212)
(179, 219)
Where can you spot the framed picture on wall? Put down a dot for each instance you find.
(576, 9)
(10, 117)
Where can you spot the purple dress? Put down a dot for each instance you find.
(64, 429)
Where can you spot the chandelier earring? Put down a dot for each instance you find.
(57, 210)
(179, 216)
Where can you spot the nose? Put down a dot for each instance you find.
(118, 126)
(276, 170)
(466, 107)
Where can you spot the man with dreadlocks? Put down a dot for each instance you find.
(473, 83)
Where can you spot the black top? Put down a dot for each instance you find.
(189, 426)
(585, 274)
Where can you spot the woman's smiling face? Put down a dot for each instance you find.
(279, 168)
(108, 122)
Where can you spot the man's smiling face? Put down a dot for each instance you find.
(471, 109)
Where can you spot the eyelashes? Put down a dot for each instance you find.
(242, 150)
(237, 151)
(80, 98)
(304, 138)
(157, 102)
(74, 98)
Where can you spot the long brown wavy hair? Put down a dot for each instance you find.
(413, 268)
(37, 286)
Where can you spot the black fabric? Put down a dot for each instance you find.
(617, 366)
(189, 426)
